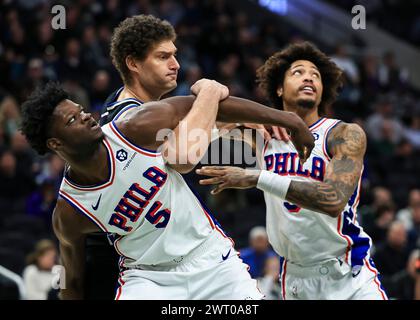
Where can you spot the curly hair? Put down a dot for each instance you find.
(136, 36)
(271, 75)
(37, 112)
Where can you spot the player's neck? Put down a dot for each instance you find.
(135, 90)
(90, 168)
(308, 116)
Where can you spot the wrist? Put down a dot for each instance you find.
(273, 183)
(252, 177)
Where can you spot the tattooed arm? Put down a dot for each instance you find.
(347, 143)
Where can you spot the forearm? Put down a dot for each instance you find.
(74, 267)
(190, 139)
(317, 196)
(234, 109)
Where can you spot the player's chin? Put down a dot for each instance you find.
(306, 102)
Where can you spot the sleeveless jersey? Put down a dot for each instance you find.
(148, 208)
(303, 236)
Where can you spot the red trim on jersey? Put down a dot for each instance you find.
(318, 125)
(283, 279)
(83, 209)
(371, 268)
(121, 282)
(345, 237)
(106, 184)
(131, 145)
(324, 144)
(119, 250)
(356, 201)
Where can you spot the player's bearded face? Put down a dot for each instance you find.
(302, 85)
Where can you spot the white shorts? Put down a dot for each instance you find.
(333, 280)
(211, 272)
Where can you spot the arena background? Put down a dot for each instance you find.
(226, 41)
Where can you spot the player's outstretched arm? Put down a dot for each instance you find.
(347, 144)
(71, 228)
(144, 124)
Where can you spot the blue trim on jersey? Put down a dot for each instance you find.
(126, 108)
(316, 122)
(379, 275)
(281, 265)
(216, 223)
(326, 139)
(66, 175)
(137, 146)
(116, 95)
(361, 245)
(81, 211)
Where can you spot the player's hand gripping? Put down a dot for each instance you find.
(207, 83)
(229, 177)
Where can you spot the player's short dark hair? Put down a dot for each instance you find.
(271, 75)
(36, 114)
(136, 36)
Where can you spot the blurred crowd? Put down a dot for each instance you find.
(400, 18)
(218, 41)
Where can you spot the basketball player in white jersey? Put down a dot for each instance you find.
(117, 181)
(311, 208)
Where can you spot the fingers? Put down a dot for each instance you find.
(303, 155)
(210, 181)
(276, 133)
(219, 188)
(284, 135)
(211, 171)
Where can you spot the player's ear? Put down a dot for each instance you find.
(132, 64)
(279, 91)
(54, 144)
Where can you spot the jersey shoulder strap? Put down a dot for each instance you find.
(113, 108)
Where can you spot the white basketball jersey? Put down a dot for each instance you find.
(303, 236)
(152, 214)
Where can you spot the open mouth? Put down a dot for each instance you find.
(94, 125)
(307, 89)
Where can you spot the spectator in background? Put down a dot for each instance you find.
(384, 114)
(381, 196)
(400, 286)
(412, 133)
(38, 276)
(407, 214)
(391, 76)
(391, 256)
(9, 117)
(14, 186)
(258, 252)
(383, 218)
(41, 202)
(99, 92)
(269, 283)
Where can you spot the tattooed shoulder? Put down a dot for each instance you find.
(348, 139)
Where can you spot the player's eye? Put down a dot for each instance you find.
(298, 72)
(71, 120)
(315, 75)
